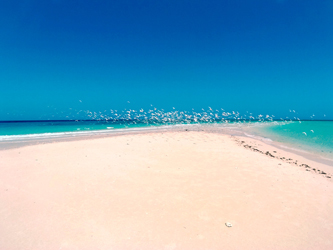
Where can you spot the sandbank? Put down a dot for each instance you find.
(165, 190)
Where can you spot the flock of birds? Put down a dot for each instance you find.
(154, 116)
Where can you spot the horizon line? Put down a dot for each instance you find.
(112, 120)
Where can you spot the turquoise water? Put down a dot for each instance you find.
(313, 136)
(13, 130)
(45, 129)
(23, 128)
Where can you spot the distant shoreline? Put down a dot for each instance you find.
(34, 139)
(130, 120)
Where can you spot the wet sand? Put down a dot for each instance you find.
(170, 190)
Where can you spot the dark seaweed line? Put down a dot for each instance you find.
(289, 160)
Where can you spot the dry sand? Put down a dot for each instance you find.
(174, 190)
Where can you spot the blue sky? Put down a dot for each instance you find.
(261, 56)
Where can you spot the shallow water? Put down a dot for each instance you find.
(41, 127)
(305, 136)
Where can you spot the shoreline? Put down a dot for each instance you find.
(77, 136)
(97, 134)
(290, 157)
(170, 190)
(240, 135)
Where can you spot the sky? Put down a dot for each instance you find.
(261, 56)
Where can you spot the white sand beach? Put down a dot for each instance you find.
(171, 190)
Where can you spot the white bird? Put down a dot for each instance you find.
(304, 133)
(312, 131)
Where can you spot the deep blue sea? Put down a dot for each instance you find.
(309, 136)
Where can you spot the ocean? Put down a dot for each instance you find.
(304, 136)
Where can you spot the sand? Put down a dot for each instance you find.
(172, 190)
